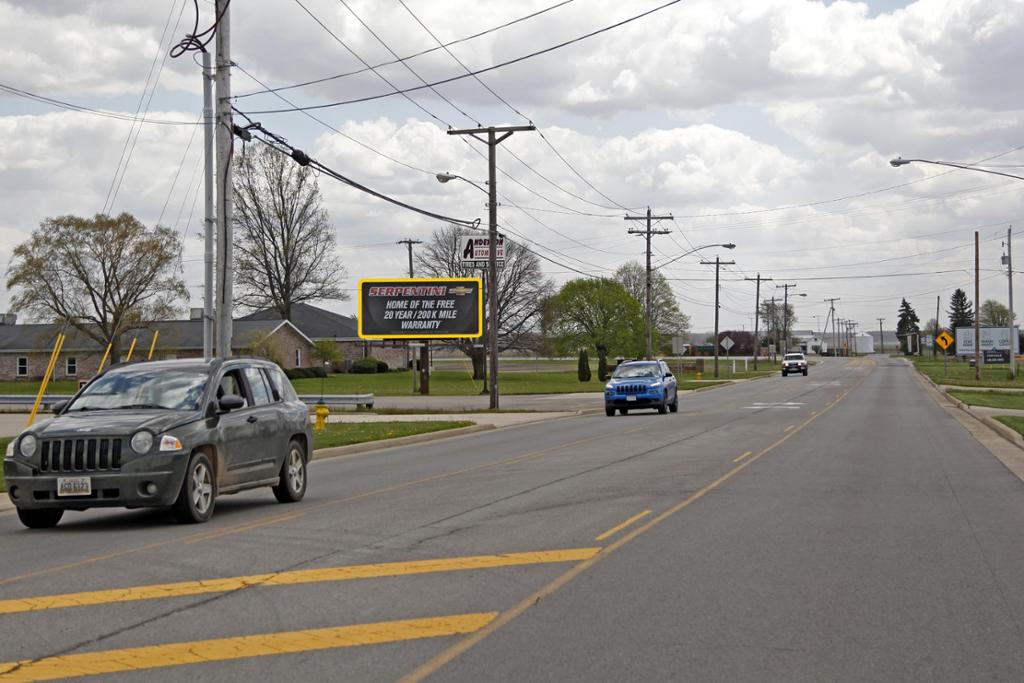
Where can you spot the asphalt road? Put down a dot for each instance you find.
(842, 526)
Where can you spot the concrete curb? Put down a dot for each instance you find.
(367, 446)
(998, 427)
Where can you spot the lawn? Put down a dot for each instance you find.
(31, 388)
(347, 433)
(990, 399)
(3, 449)
(962, 374)
(1013, 422)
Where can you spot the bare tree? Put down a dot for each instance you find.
(522, 289)
(101, 276)
(666, 318)
(284, 240)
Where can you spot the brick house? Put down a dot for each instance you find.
(25, 349)
(320, 325)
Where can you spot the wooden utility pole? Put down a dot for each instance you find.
(881, 337)
(832, 314)
(718, 263)
(492, 141)
(757, 307)
(977, 308)
(424, 349)
(785, 313)
(1013, 330)
(647, 232)
(935, 346)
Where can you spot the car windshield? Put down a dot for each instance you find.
(143, 388)
(632, 371)
(794, 356)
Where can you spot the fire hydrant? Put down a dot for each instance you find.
(322, 411)
(698, 376)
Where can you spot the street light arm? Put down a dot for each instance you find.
(897, 162)
(696, 249)
(445, 177)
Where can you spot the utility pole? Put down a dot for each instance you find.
(832, 314)
(774, 322)
(492, 141)
(424, 351)
(647, 282)
(225, 143)
(757, 306)
(718, 263)
(785, 313)
(935, 334)
(1009, 276)
(881, 338)
(209, 211)
(977, 308)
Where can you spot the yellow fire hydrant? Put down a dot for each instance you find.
(698, 375)
(322, 411)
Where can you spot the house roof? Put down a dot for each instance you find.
(174, 334)
(316, 323)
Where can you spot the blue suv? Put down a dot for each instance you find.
(641, 384)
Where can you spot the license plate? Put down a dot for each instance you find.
(74, 486)
(631, 398)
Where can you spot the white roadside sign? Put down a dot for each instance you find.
(475, 251)
(992, 338)
(727, 343)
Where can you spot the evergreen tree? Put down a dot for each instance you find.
(602, 363)
(907, 325)
(583, 370)
(961, 314)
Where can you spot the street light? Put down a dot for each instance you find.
(446, 177)
(899, 161)
(728, 245)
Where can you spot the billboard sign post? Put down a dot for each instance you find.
(420, 308)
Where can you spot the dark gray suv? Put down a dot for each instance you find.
(165, 433)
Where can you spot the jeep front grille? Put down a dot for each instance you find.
(81, 455)
(631, 388)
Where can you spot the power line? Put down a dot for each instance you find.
(267, 89)
(42, 99)
(493, 67)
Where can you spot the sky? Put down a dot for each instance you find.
(764, 123)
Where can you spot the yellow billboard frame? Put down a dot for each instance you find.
(422, 280)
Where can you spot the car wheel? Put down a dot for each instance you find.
(292, 484)
(609, 411)
(674, 405)
(40, 519)
(198, 494)
(623, 411)
(662, 409)
(805, 373)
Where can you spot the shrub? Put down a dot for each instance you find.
(602, 364)
(305, 373)
(382, 366)
(583, 369)
(366, 366)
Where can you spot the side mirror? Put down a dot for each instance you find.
(230, 402)
(59, 407)
(668, 374)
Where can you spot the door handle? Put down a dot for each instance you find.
(251, 419)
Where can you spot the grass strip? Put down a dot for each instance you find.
(3, 449)
(348, 433)
(990, 399)
(962, 374)
(1013, 422)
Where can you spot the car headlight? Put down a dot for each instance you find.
(169, 443)
(609, 386)
(27, 445)
(655, 385)
(141, 442)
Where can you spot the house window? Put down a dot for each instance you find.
(22, 366)
(71, 366)
(298, 358)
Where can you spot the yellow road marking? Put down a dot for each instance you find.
(788, 428)
(291, 578)
(814, 412)
(743, 456)
(533, 455)
(241, 647)
(432, 665)
(619, 527)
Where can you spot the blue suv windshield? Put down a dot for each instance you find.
(646, 371)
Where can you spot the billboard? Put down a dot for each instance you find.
(475, 251)
(420, 308)
(992, 338)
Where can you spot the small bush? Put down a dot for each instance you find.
(602, 364)
(365, 366)
(382, 366)
(305, 373)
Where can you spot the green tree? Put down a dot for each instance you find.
(327, 352)
(667, 320)
(906, 325)
(994, 314)
(583, 369)
(102, 275)
(773, 315)
(961, 314)
(598, 314)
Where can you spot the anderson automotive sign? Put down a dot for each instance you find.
(420, 308)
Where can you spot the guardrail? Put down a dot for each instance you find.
(328, 399)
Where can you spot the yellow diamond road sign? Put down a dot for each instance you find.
(944, 340)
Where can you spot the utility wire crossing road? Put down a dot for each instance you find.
(814, 537)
